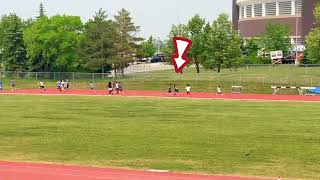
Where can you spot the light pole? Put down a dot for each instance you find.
(296, 39)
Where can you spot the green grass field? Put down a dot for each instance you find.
(254, 79)
(207, 136)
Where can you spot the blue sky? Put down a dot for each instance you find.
(154, 17)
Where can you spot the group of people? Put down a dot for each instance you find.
(175, 89)
(115, 88)
(63, 85)
(12, 84)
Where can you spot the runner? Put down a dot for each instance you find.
(170, 88)
(176, 90)
(0, 85)
(117, 88)
(59, 85)
(91, 86)
(219, 90)
(67, 84)
(188, 89)
(63, 85)
(113, 86)
(41, 86)
(13, 85)
(110, 89)
(121, 88)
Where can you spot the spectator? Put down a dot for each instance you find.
(188, 89)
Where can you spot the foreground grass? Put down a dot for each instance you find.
(218, 137)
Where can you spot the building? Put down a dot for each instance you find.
(250, 17)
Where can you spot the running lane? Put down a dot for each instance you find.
(29, 171)
(206, 95)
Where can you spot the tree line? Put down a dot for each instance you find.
(63, 43)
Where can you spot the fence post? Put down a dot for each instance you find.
(36, 76)
(93, 77)
(54, 76)
(73, 78)
(311, 80)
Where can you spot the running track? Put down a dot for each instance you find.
(199, 95)
(29, 171)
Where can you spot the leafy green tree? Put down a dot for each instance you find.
(180, 30)
(222, 45)
(195, 28)
(52, 43)
(317, 12)
(127, 39)
(276, 37)
(313, 41)
(148, 48)
(98, 45)
(13, 52)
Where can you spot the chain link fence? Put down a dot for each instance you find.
(253, 78)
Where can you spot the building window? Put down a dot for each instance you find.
(298, 6)
(297, 41)
(249, 11)
(258, 10)
(242, 12)
(271, 9)
(285, 8)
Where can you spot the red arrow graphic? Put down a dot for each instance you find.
(179, 58)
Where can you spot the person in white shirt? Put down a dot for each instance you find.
(188, 89)
(41, 86)
(219, 90)
(91, 86)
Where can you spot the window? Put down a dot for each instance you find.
(249, 11)
(285, 8)
(297, 41)
(271, 9)
(298, 6)
(242, 12)
(258, 10)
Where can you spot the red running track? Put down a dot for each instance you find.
(261, 97)
(29, 171)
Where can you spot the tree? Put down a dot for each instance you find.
(276, 37)
(195, 28)
(126, 40)
(13, 52)
(98, 45)
(52, 43)
(222, 45)
(148, 48)
(42, 11)
(313, 41)
(176, 30)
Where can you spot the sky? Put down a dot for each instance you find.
(154, 16)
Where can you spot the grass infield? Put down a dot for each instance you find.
(207, 136)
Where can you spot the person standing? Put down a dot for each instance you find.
(188, 89)
(13, 85)
(0, 85)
